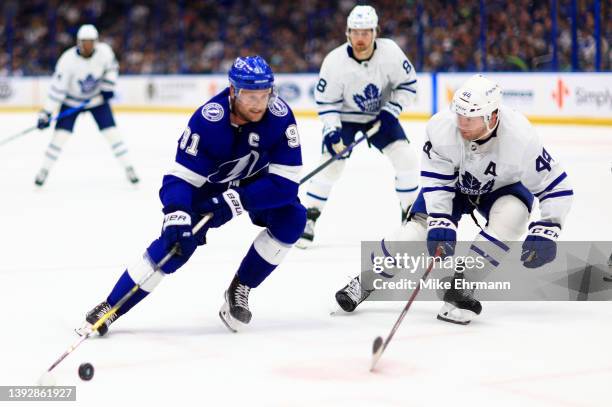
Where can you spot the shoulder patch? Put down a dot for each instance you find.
(278, 107)
(213, 112)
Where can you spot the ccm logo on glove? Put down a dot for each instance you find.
(440, 222)
(550, 233)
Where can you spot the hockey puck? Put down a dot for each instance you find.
(86, 371)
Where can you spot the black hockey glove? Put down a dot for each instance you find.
(224, 207)
(107, 95)
(177, 230)
(44, 120)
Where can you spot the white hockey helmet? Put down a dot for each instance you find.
(362, 18)
(479, 96)
(87, 32)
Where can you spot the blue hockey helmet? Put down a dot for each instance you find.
(251, 73)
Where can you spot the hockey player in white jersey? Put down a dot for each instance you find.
(363, 81)
(86, 72)
(481, 155)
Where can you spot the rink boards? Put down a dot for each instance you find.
(553, 98)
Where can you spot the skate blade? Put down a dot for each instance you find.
(224, 318)
(303, 243)
(228, 320)
(454, 315)
(83, 330)
(452, 321)
(335, 309)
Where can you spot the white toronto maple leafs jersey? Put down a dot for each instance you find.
(77, 79)
(355, 91)
(514, 153)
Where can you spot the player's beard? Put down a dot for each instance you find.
(361, 46)
(471, 135)
(86, 50)
(248, 114)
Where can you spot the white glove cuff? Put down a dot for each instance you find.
(547, 232)
(393, 109)
(232, 198)
(434, 222)
(328, 130)
(177, 218)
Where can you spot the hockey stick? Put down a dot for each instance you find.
(126, 297)
(63, 114)
(359, 137)
(379, 345)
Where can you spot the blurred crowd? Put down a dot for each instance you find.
(160, 37)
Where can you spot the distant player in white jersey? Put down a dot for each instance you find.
(481, 155)
(86, 72)
(364, 81)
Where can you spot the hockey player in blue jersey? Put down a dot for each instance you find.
(240, 152)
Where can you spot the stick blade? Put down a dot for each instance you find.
(377, 350)
(378, 342)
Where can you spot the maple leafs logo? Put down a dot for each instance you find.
(488, 187)
(472, 186)
(88, 84)
(370, 100)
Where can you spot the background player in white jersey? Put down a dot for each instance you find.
(86, 72)
(363, 81)
(483, 156)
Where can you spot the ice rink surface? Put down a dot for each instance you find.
(64, 246)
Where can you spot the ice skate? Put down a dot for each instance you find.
(94, 315)
(305, 241)
(351, 295)
(235, 311)
(460, 306)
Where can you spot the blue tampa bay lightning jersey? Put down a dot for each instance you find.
(213, 154)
